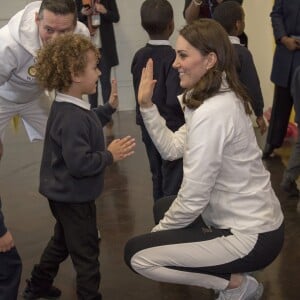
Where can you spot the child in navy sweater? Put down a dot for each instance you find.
(231, 16)
(73, 164)
(159, 24)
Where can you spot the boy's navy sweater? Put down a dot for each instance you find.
(74, 156)
(167, 87)
(248, 76)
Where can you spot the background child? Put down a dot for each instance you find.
(197, 9)
(10, 261)
(73, 163)
(166, 175)
(231, 16)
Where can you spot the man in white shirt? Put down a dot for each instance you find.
(25, 33)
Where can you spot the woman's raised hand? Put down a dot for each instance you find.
(146, 87)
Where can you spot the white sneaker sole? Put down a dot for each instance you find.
(257, 294)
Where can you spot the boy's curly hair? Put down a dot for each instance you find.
(59, 58)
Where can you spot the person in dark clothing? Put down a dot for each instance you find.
(195, 9)
(73, 164)
(231, 16)
(166, 175)
(292, 171)
(10, 261)
(199, 9)
(285, 17)
(104, 38)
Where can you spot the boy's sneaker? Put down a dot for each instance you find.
(250, 289)
(32, 293)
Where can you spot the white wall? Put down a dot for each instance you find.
(261, 42)
(11, 7)
(130, 37)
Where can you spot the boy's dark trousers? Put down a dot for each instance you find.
(166, 175)
(10, 274)
(75, 234)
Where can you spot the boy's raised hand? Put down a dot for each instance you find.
(121, 148)
(146, 87)
(114, 99)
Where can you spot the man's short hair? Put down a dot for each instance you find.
(59, 7)
(156, 15)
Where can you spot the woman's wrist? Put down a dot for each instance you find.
(284, 39)
(146, 105)
(197, 2)
(85, 11)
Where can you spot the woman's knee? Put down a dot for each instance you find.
(136, 246)
(131, 248)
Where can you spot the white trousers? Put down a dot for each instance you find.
(34, 115)
(199, 255)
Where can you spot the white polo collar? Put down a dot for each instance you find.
(70, 99)
(159, 42)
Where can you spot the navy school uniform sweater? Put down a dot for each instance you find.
(248, 76)
(74, 156)
(167, 87)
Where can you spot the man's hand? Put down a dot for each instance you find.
(6, 242)
(100, 8)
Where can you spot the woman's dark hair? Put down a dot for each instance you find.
(208, 36)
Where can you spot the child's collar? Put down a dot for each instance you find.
(234, 40)
(159, 42)
(60, 97)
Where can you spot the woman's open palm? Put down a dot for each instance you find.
(146, 86)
